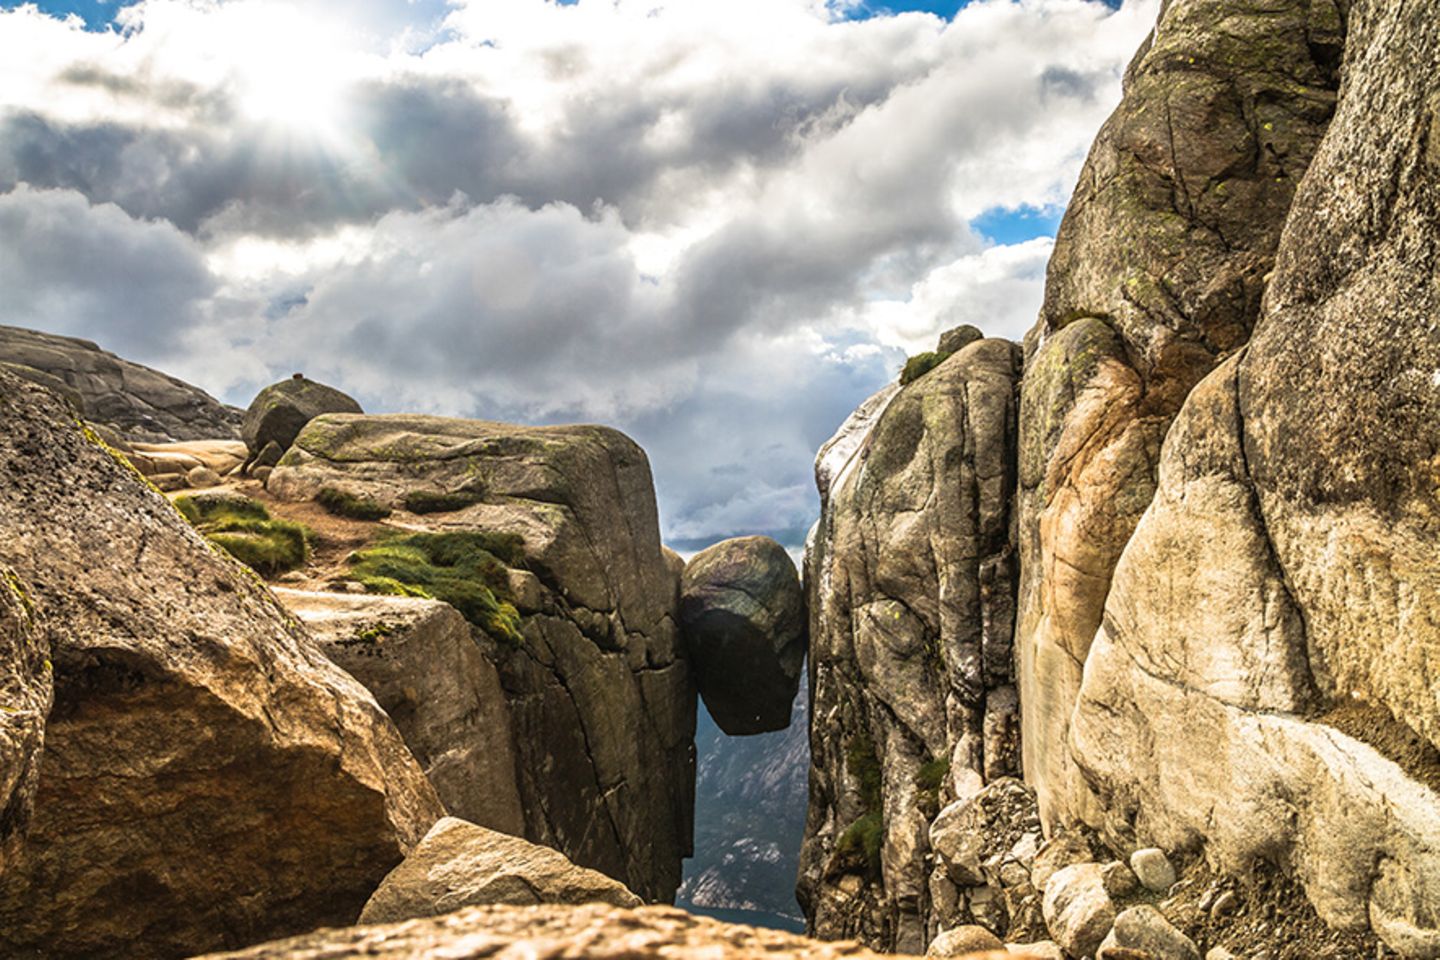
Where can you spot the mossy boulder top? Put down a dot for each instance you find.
(280, 411)
(742, 617)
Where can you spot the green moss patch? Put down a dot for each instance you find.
(468, 570)
(921, 364)
(862, 839)
(344, 504)
(242, 528)
(425, 501)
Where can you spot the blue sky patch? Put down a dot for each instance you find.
(1006, 225)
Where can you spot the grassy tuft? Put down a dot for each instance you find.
(921, 364)
(242, 528)
(425, 501)
(467, 570)
(864, 766)
(863, 840)
(343, 504)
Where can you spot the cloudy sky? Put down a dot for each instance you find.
(715, 224)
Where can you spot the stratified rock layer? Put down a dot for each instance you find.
(461, 865)
(208, 778)
(563, 933)
(422, 664)
(913, 579)
(1158, 271)
(139, 403)
(602, 703)
(742, 614)
(26, 691)
(1265, 682)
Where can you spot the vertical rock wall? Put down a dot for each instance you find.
(1158, 273)
(912, 576)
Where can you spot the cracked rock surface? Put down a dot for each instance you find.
(208, 777)
(912, 580)
(1158, 273)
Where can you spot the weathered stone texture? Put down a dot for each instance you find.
(912, 578)
(208, 778)
(601, 701)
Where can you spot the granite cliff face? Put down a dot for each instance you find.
(913, 582)
(1224, 508)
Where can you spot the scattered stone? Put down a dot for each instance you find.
(459, 864)
(1061, 851)
(1120, 880)
(262, 474)
(202, 478)
(742, 619)
(1224, 905)
(1077, 910)
(1219, 953)
(280, 411)
(963, 940)
(1153, 869)
(269, 455)
(1145, 931)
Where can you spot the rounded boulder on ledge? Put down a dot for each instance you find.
(742, 615)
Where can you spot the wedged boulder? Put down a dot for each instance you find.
(1158, 272)
(601, 700)
(280, 411)
(742, 617)
(421, 663)
(912, 573)
(459, 864)
(141, 404)
(594, 932)
(26, 692)
(208, 777)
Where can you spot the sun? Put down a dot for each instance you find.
(291, 72)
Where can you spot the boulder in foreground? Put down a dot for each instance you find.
(209, 779)
(742, 616)
(461, 865)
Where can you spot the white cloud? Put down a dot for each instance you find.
(716, 224)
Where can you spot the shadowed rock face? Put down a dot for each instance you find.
(140, 404)
(1264, 681)
(571, 933)
(1158, 272)
(26, 690)
(422, 664)
(912, 576)
(208, 778)
(602, 704)
(461, 865)
(742, 614)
